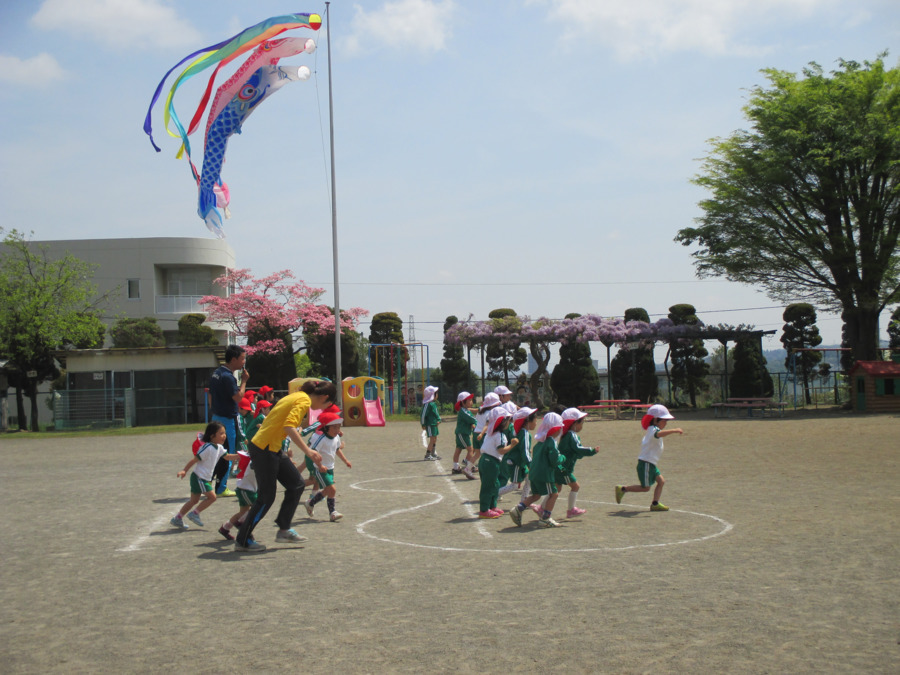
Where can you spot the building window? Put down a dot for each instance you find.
(134, 289)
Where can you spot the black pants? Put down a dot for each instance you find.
(271, 468)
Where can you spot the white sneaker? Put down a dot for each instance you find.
(289, 537)
(309, 508)
(335, 516)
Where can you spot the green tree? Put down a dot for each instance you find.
(749, 378)
(192, 332)
(387, 329)
(800, 332)
(689, 367)
(806, 204)
(574, 380)
(274, 368)
(454, 367)
(47, 305)
(504, 358)
(320, 348)
(134, 333)
(894, 331)
(633, 367)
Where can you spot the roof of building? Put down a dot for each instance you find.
(876, 368)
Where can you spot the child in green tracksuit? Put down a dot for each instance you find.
(465, 424)
(430, 419)
(542, 471)
(496, 445)
(570, 446)
(514, 474)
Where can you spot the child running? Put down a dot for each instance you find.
(490, 402)
(571, 448)
(542, 472)
(201, 467)
(515, 465)
(654, 422)
(465, 424)
(496, 444)
(328, 444)
(246, 494)
(430, 419)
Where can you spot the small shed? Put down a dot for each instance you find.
(876, 385)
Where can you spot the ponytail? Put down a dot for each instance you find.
(320, 388)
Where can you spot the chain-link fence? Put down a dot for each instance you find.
(93, 409)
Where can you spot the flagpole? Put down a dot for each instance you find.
(334, 233)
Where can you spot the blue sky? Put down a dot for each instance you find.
(533, 154)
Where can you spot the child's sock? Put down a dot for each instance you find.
(315, 499)
(331, 505)
(227, 526)
(521, 506)
(572, 497)
(655, 502)
(545, 514)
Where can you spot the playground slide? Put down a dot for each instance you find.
(374, 413)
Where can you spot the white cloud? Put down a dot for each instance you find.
(423, 25)
(649, 28)
(38, 71)
(118, 23)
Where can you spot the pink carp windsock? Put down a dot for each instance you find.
(258, 87)
(219, 55)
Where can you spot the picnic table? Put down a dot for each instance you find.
(617, 405)
(750, 403)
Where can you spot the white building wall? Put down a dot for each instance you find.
(150, 261)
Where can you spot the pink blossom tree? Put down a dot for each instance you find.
(277, 302)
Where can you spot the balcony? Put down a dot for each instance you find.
(179, 304)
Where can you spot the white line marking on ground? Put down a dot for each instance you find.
(140, 540)
(361, 528)
(468, 507)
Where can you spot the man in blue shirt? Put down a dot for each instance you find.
(224, 396)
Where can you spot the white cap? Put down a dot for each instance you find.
(523, 412)
(463, 395)
(490, 399)
(549, 422)
(660, 411)
(502, 390)
(430, 393)
(573, 414)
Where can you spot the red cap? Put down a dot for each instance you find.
(249, 394)
(265, 389)
(326, 419)
(263, 404)
(245, 404)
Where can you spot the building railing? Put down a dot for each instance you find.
(93, 408)
(179, 304)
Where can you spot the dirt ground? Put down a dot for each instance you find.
(780, 554)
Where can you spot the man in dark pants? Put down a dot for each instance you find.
(224, 396)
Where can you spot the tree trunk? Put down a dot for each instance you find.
(861, 330)
(32, 394)
(20, 410)
(541, 355)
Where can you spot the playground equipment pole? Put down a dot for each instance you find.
(334, 235)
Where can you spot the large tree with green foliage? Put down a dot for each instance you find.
(633, 368)
(387, 329)
(689, 366)
(749, 376)
(46, 305)
(504, 357)
(800, 332)
(192, 332)
(574, 380)
(454, 366)
(128, 333)
(806, 204)
(893, 331)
